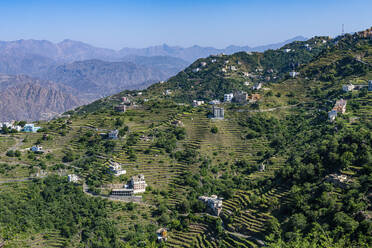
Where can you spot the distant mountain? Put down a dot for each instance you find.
(26, 98)
(65, 51)
(195, 52)
(96, 78)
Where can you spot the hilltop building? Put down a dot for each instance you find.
(203, 64)
(213, 203)
(196, 70)
(218, 113)
(30, 128)
(72, 178)
(348, 87)
(138, 184)
(366, 33)
(120, 108)
(168, 92)
(228, 97)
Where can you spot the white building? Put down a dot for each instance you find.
(347, 87)
(113, 134)
(214, 60)
(293, 74)
(257, 86)
(287, 50)
(196, 103)
(246, 83)
(72, 178)
(203, 64)
(115, 168)
(233, 68)
(228, 97)
(196, 70)
(168, 92)
(36, 148)
(138, 184)
(214, 204)
(218, 113)
(332, 115)
(214, 102)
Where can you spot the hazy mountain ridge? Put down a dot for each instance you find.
(26, 98)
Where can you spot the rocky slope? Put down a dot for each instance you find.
(25, 98)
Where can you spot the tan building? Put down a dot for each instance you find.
(340, 106)
(138, 184)
(120, 108)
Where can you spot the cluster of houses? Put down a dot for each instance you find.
(242, 97)
(29, 128)
(366, 33)
(213, 204)
(125, 102)
(136, 185)
(339, 107)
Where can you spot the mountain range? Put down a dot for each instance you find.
(86, 73)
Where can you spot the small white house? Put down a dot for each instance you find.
(196, 70)
(214, 60)
(257, 86)
(214, 102)
(233, 68)
(294, 74)
(332, 115)
(228, 97)
(115, 168)
(168, 92)
(113, 134)
(196, 103)
(287, 50)
(72, 178)
(348, 87)
(203, 64)
(246, 83)
(36, 148)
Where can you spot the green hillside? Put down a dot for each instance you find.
(287, 175)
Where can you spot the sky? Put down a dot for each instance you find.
(141, 23)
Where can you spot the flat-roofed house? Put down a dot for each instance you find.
(218, 113)
(213, 203)
(138, 184)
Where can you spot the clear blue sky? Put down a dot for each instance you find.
(140, 23)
